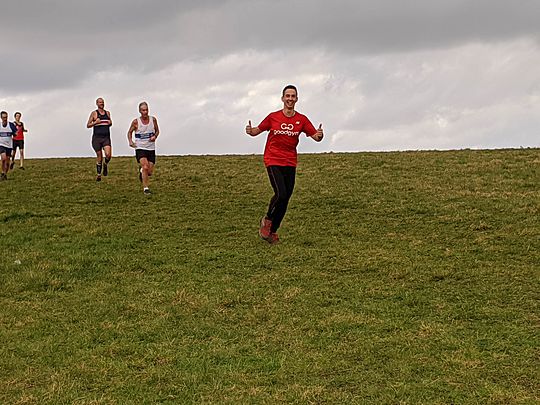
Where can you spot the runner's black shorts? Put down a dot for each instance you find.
(18, 143)
(148, 154)
(5, 150)
(99, 142)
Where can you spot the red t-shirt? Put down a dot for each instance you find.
(19, 135)
(280, 149)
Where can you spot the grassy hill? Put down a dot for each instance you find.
(401, 278)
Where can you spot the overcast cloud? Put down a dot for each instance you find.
(385, 75)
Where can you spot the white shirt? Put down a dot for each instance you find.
(143, 134)
(6, 133)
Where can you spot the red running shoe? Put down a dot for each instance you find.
(264, 230)
(273, 238)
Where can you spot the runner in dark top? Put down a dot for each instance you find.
(100, 121)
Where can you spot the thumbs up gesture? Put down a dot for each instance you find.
(249, 128)
(320, 134)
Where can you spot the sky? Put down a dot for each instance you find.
(378, 75)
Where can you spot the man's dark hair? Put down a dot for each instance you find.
(17, 113)
(287, 87)
(3, 112)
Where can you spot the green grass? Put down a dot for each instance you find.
(402, 278)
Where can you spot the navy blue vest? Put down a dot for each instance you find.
(100, 129)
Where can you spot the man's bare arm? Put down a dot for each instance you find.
(92, 120)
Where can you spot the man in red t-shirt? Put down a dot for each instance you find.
(280, 157)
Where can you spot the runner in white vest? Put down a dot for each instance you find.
(146, 131)
(7, 130)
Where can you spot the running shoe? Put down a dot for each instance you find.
(3, 177)
(273, 238)
(105, 169)
(264, 230)
(22, 168)
(11, 165)
(147, 191)
(98, 177)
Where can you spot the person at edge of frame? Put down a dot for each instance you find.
(18, 141)
(7, 130)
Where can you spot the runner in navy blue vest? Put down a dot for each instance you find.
(100, 121)
(7, 130)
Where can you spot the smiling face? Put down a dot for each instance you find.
(289, 98)
(100, 103)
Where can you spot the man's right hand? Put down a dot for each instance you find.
(249, 128)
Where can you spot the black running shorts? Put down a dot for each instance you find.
(18, 144)
(148, 154)
(5, 150)
(99, 142)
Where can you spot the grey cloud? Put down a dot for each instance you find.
(367, 26)
(380, 75)
(472, 96)
(61, 43)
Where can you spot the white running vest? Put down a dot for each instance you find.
(143, 134)
(5, 136)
